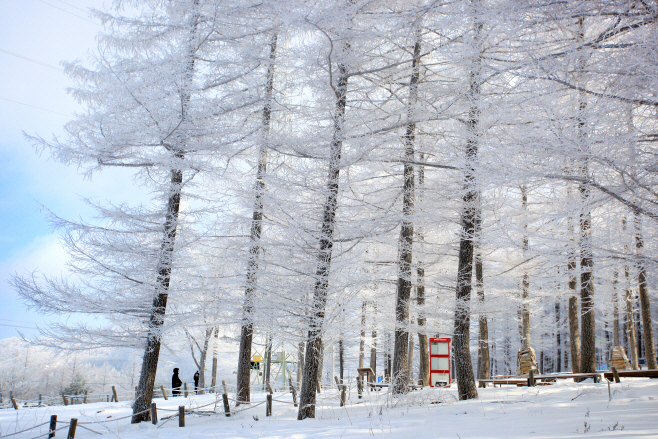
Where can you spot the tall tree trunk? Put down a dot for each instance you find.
(405, 242)
(373, 346)
(558, 336)
(525, 281)
(483, 336)
(630, 311)
(341, 358)
(314, 339)
(156, 319)
(574, 333)
(247, 327)
(615, 309)
(268, 363)
(362, 342)
(213, 381)
(300, 363)
(588, 329)
(165, 258)
(423, 346)
(645, 306)
(410, 362)
(469, 216)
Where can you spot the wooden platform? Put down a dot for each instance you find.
(597, 376)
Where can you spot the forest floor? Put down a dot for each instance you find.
(561, 410)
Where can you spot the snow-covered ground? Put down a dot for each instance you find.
(562, 410)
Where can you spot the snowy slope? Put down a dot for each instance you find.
(563, 410)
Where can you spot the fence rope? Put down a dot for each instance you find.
(49, 432)
(27, 429)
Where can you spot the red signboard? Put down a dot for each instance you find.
(440, 362)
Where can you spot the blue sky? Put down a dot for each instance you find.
(35, 36)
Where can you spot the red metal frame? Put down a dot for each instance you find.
(448, 356)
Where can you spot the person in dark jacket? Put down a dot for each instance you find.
(176, 383)
(196, 382)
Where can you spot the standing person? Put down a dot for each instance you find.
(196, 382)
(176, 383)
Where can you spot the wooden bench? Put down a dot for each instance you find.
(543, 379)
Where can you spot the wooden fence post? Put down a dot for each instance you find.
(268, 409)
(343, 394)
(181, 416)
(294, 392)
(64, 398)
(53, 426)
(227, 408)
(154, 414)
(164, 392)
(185, 389)
(531, 378)
(40, 399)
(114, 394)
(615, 374)
(84, 400)
(72, 427)
(13, 402)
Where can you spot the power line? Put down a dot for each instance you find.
(33, 106)
(74, 7)
(69, 12)
(31, 60)
(12, 320)
(18, 326)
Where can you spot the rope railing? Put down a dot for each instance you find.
(182, 410)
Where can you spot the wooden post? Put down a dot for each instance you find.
(84, 400)
(164, 393)
(64, 398)
(531, 378)
(615, 374)
(72, 427)
(114, 394)
(13, 402)
(227, 408)
(294, 392)
(185, 389)
(154, 414)
(40, 399)
(343, 395)
(269, 388)
(268, 409)
(337, 382)
(53, 426)
(181, 416)
(359, 386)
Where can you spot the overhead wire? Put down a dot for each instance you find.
(69, 12)
(34, 106)
(32, 60)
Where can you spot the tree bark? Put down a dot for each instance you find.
(630, 311)
(483, 336)
(156, 320)
(615, 309)
(243, 393)
(469, 216)
(213, 382)
(645, 306)
(373, 346)
(525, 281)
(314, 339)
(362, 342)
(405, 242)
